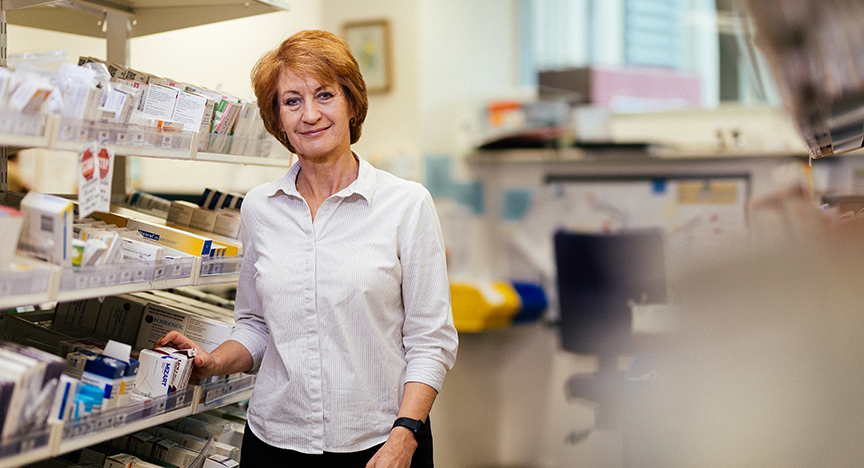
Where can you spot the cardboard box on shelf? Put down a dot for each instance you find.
(159, 319)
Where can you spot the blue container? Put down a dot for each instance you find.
(534, 302)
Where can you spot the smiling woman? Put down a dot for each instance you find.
(343, 303)
(315, 118)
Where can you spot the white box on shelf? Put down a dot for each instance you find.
(47, 231)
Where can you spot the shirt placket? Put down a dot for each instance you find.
(314, 383)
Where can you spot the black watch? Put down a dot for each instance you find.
(415, 425)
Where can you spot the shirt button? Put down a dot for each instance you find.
(325, 206)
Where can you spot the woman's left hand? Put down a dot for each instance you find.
(397, 451)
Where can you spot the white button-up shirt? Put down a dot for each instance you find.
(340, 312)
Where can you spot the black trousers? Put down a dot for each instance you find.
(256, 453)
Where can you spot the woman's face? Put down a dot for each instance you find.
(315, 116)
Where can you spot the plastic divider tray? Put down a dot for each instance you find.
(128, 139)
(216, 394)
(219, 270)
(24, 287)
(93, 429)
(125, 277)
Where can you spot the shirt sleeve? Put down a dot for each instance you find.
(250, 329)
(429, 335)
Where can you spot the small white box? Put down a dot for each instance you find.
(181, 456)
(121, 460)
(161, 448)
(227, 224)
(155, 372)
(180, 212)
(203, 219)
(47, 230)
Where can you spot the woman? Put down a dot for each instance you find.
(343, 304)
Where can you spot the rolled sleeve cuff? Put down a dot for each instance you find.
(254, 343)
(429, 372)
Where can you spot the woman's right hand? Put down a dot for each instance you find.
(204, 364)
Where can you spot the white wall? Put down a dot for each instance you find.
(391, 133)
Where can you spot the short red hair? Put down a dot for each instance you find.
(316, 54)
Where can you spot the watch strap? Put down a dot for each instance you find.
(415, 425)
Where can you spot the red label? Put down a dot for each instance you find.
(87, 166)
(104, 163)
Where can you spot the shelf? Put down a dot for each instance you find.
(213, 395)
(64, 134)
(127, 140)
(150, 16)
(36, 282)
(25, 130)
(219, 270)
(60, 438)
(116, 422)
(121, 278)
(31, 282)
(28, 448)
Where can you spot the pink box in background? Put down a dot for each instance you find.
(623, 89)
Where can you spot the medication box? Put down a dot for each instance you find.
(159, 319)
(47, 230)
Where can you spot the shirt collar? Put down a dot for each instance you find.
(364, 186)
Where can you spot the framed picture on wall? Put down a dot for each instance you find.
(370, 44)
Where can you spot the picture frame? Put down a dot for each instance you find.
(370, 44)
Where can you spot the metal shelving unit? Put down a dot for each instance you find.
(117, 21)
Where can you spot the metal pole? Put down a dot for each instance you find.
(4, 61)
(117, 43)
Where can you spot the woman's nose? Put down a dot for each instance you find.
(311, 111)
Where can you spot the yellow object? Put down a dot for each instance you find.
(479, 306)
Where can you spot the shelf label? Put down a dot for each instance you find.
(121, 138)
(139, 275)
(125, 276)
(137, 138)
(95, 280)
(104, 135)
(158, 273)
(80, 282)
(83, 134)
(167, 140)
(111, 278)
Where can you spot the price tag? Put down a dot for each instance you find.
(95, 280)
(82, 134)
(137, 139)
(80, 282)
(104, 135)
(138, 276)
(121, 138)
(158, 273)
(167, 139)
(125, 276)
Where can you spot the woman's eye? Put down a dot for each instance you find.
(292, 102)
(325, 96)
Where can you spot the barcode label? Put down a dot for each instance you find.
(47, 223)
